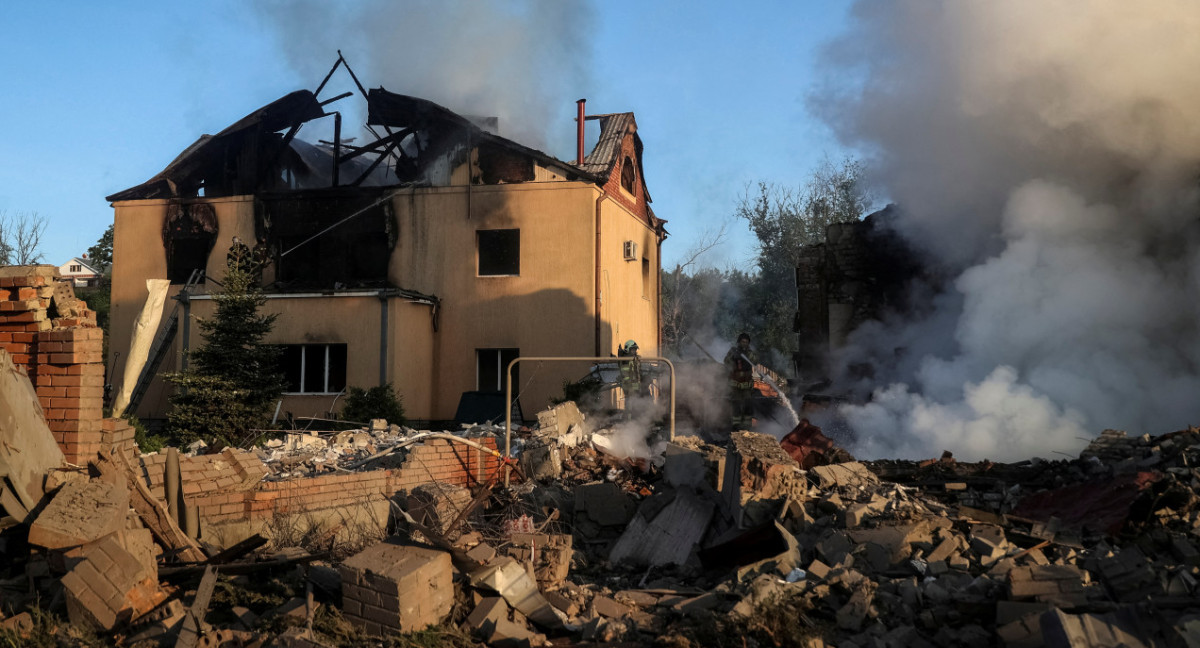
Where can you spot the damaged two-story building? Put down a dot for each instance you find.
(428, 258)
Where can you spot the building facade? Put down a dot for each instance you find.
(427, 259)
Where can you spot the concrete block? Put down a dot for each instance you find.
(684, 466)
(557, 421)
(482, 553)
(437, 504)
(483, 619)
(850, 474)
(607, 607)
(562, 603)
(605, 504)
(549, 555)
(108, 586)
(542, 461)
(79, 513)
(509, 579)
(413, 586)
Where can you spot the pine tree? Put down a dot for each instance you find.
(234, 379)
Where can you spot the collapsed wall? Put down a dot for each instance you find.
(53, 337)
(226, 494)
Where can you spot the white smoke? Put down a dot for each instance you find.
(1045, 154)
(525, 62)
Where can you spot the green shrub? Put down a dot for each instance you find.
(146, 442)
(362, 405)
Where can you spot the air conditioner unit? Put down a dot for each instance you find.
(630, 250)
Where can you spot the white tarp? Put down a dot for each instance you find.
(139, 342)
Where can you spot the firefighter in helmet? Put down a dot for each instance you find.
(631, 370)
(740, 361)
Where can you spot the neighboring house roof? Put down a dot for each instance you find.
(87, 266)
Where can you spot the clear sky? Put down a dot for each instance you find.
(100, 96)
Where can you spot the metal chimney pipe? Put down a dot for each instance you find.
(579, 131)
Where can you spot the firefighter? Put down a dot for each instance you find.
(740, 361)
(631, 370)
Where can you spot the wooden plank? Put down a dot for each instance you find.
(152, 511)
(193, 620)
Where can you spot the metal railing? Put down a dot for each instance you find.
(508, 389)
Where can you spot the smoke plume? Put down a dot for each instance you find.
(1045, 157)
(524, 62)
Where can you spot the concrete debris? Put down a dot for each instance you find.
(79, 513)
(753, 540)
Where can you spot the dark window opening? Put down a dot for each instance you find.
(628, 175)
(490, 366)
(314, 368)
(499, 165)
(499, 252)
(189, 233)
(328, 241)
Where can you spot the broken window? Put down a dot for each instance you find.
(329, 239)
(627, 175)
(490, 365)
(314, 368)
(500, 165)
(499, 252)
(189, 233)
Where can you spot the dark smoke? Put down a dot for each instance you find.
(525, 62)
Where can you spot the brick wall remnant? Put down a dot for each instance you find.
(54, 338)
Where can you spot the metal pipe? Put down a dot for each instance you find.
(599, 301)
(383, 338)
(337, 146)
(186, 338)
(508, 392)
(579, 131)
(171, 482)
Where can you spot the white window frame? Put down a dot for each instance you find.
(304, 369)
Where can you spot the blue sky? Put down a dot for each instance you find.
(101, 96)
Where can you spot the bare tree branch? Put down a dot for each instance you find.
(21, 237)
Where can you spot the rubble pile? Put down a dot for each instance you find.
(756, 542)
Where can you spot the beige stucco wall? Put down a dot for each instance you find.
(549, 310)
(546, 311)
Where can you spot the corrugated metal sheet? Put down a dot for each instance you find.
(608, 148)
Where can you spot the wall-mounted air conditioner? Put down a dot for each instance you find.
(630, 250)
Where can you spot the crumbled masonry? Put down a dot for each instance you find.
(338, 538)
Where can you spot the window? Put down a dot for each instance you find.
(628, 175)
(332, 239)
(490, 365)
(189, 233)
(499, 252)
(314, 368)
(646, 278)
(76, 268)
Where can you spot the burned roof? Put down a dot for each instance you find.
(256, 155)
(607, 153)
